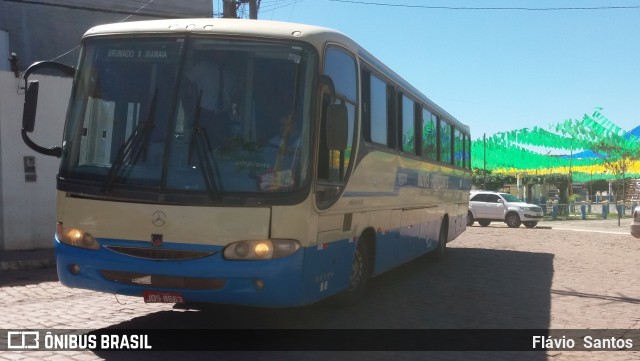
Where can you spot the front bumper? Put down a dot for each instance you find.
(532, 217)
(271, 283)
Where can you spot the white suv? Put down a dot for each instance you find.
(486, 206)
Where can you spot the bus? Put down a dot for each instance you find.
(246, 162)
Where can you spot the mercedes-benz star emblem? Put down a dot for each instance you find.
(158, 218)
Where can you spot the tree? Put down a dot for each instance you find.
(618, 153)
(486, 180)
(562, 182)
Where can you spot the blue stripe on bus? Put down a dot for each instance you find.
(399, 246)
(413, 178)
(282, 277)
(311, 274)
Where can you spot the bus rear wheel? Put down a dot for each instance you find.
(470, 219)
(442, 241)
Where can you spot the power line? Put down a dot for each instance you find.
(486, 8)
(277, 4)
(137, 11)
(157, 14)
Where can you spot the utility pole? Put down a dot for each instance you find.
(254, 5)
(484, 169)
(229, 9)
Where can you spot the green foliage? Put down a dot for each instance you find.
(514, 151)
(562, 182)
(486, 180)
(573, 198)
(618, 153)
(598, 185)
(559, 180)
(602, 185)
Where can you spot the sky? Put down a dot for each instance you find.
(497, 70)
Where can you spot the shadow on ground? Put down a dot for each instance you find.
(470, 289)
(28, 277)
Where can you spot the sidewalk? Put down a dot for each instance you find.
(42, 258)
(609, 226)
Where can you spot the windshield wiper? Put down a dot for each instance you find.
(133, 147)
(207, 163)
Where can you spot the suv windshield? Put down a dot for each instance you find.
(509, 197)
(165, 118)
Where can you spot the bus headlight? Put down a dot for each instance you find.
(261, 249)
(76, 237)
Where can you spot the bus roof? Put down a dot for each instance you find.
(315, 35)
(259, 28)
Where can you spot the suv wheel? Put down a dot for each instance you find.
(530, 224)
(484, 222)
(513, 220)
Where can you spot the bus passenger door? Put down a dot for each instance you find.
(338, 87)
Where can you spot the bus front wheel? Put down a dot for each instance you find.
(360, 271)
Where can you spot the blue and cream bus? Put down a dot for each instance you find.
(246, 162)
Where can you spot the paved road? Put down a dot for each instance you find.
(565, 275)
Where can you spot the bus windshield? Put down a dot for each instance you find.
(188, 116)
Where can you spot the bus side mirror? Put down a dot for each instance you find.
(31, 103)
(30, 106)
(337, 127)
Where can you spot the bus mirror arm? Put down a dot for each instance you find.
(31, 104)
(54, 151)
(327, 87)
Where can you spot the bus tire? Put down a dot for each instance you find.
(441, 251)
(360, 273)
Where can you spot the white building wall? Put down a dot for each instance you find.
(4, 50)
(28, 208)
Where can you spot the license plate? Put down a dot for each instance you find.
(162, 297)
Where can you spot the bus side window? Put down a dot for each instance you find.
(340, 67)
(408, 128)
(429, 135)
(378, 111)
(458, 148)
(468, 151)
(446, 144)
(392, 124)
